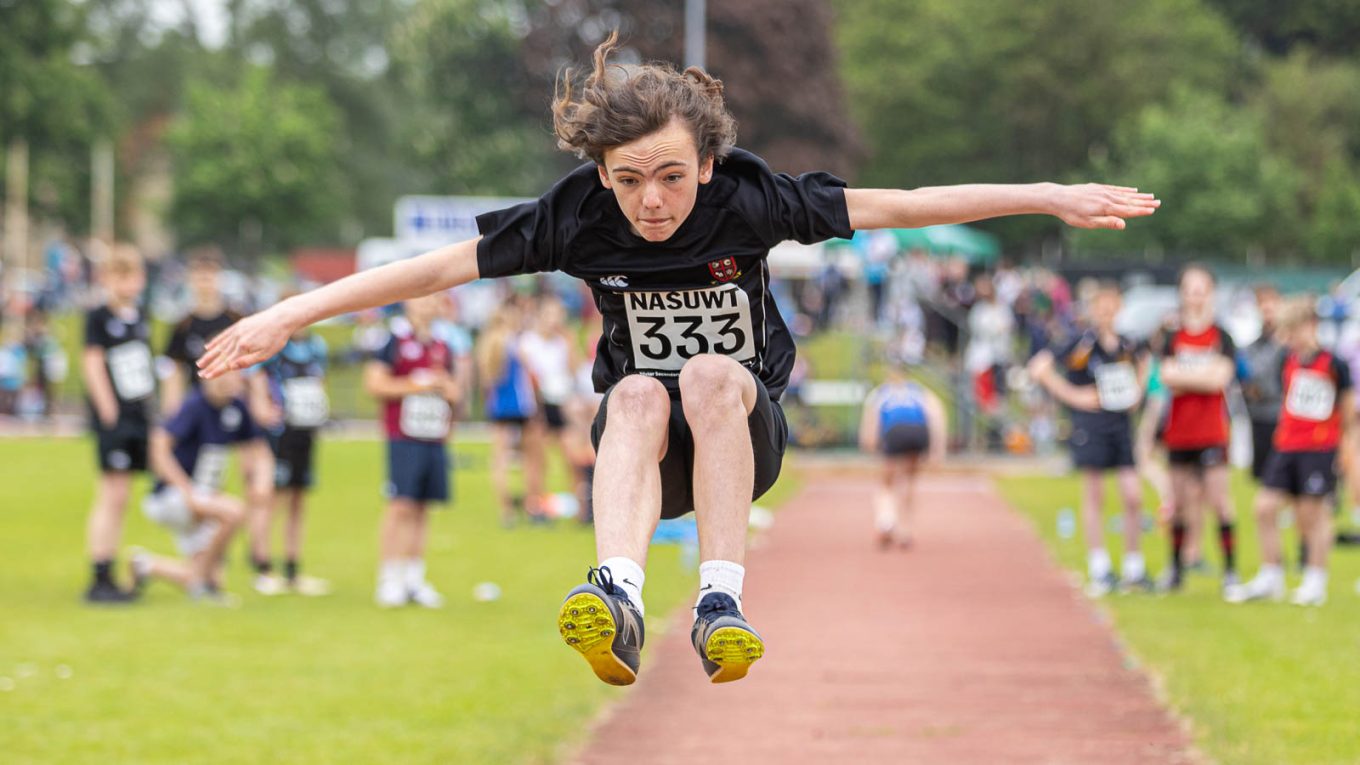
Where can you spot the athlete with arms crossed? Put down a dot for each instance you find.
(670, 225)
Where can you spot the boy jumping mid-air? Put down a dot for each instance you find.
(670, 225)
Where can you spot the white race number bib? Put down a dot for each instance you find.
(1117, 386)
(131, 370)
(425, 416)
(670, 328)
(1311, 396)
(211, 468)
(305, 404)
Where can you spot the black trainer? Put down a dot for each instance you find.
(603, 625)
(726, 644)
(107, 593)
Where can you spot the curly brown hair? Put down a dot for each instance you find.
(618, 103)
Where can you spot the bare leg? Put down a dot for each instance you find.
(227, 512)
(1268, 504)
(500, 471)
(1092, 508)
(1315, 524)
(295, 501)
(104, 530)
(418, 532)
(535, 465)
(627, 475)
(394, 539)
(1131, 493)
(886, 511)
(1184, 496)
(906, 498)
(722, 394)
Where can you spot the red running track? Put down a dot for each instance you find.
(970, 648)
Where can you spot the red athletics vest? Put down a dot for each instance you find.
(1197, 420)
(1310, 420)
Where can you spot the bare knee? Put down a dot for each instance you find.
(721, 384)
(640, 404)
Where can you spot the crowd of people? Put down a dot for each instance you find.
(150, 411)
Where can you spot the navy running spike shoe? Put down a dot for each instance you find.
(602, 624)
(726, 644)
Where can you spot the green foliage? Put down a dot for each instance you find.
(1261, 683)
(1329, 25)
(477, 132)
(54, 104)
(1222, 190)
(257, 154)
(954, 91)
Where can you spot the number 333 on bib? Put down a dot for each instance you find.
(669, 328)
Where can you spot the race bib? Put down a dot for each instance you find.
(305, 404)
(670, 328)
(1311, 396)
(130, 368)
(1117, 386)
(425, 416)
(211, 468)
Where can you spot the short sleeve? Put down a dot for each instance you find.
(184, 423)
(517, 240)
(1226, 346)
(1342, 371)
(1062, 350)
(96, 336)
(388, 353)
(177, 348)
(809, 208)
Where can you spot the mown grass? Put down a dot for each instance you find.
(292, 680)
(1263, 683)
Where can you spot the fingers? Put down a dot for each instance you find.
(1103, 221)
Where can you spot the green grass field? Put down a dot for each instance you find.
(292, 680)
(1262, 683)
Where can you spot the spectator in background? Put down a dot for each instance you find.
(1261, 390)
(879, 255)
(208, 315)
(510, 405)
(370, 336)
(990, 328)
(47, 364)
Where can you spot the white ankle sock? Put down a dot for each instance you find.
(392, 570)
(1134, 566)
(1270, 573)
(628, 575)
(1098, 563)
(414, 570)
(1315, 577)
(721, 576)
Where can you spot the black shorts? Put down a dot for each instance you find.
(418, 471)
(1262, 446)
(293, 458)
(1205, 457)
(906, 439)
(769, 437)
(1301, 474)
(1101, 449)
(123, 447)
(553, 417)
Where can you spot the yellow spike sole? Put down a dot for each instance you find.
(734, 650)
(587, 625)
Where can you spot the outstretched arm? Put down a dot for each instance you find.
(1090, 205)
(259, 336)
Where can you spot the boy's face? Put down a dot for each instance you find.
(125, 285)
(656, 178)
(1104, 308)
(1303, 336)
(1197, 292)
(221, 390)
(203, 282)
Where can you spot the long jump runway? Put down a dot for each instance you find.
(971, 648)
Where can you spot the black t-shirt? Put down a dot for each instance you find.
(1084, 361)
(191, 336)
(704, 290)
(127, 358)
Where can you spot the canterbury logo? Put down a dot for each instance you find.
(617, 282)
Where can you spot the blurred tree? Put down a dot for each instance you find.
(1332, 26)
(777, 60)
(52, 102)
(256, 165)
(952, 91)
(342, 48)
(1223, 192)
(483, 124)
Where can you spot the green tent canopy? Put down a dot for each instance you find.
(953, 239)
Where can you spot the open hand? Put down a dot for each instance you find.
(249, 341)
(1096, 205)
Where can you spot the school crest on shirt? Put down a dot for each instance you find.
(724, 270)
